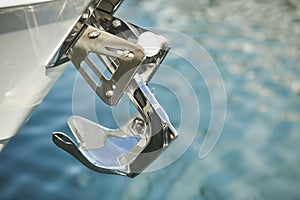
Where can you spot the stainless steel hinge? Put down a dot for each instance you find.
(115, 57)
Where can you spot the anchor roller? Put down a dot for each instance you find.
(131, 55)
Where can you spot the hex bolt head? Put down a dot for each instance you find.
(116, 23)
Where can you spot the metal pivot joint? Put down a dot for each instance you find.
(100, 39)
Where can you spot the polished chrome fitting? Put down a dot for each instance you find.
(99, 39)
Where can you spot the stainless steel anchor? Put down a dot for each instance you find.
(131, 55)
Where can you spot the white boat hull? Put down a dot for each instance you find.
(29, 35)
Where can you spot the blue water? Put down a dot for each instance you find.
(255, 45)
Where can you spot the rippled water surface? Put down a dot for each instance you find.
(255, 45)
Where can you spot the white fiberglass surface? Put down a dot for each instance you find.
(28, 36)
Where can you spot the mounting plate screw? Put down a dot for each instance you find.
(116, 23)
(127, 53)
(109, 93)
(94, 34)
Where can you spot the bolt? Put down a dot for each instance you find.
(116, 23)
(94, 34)
(109, 93)
(127, 53)
(138, 125)
(73, 33)
(85, 16)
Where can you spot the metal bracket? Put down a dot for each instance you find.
(128, 55)
(128, 63)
